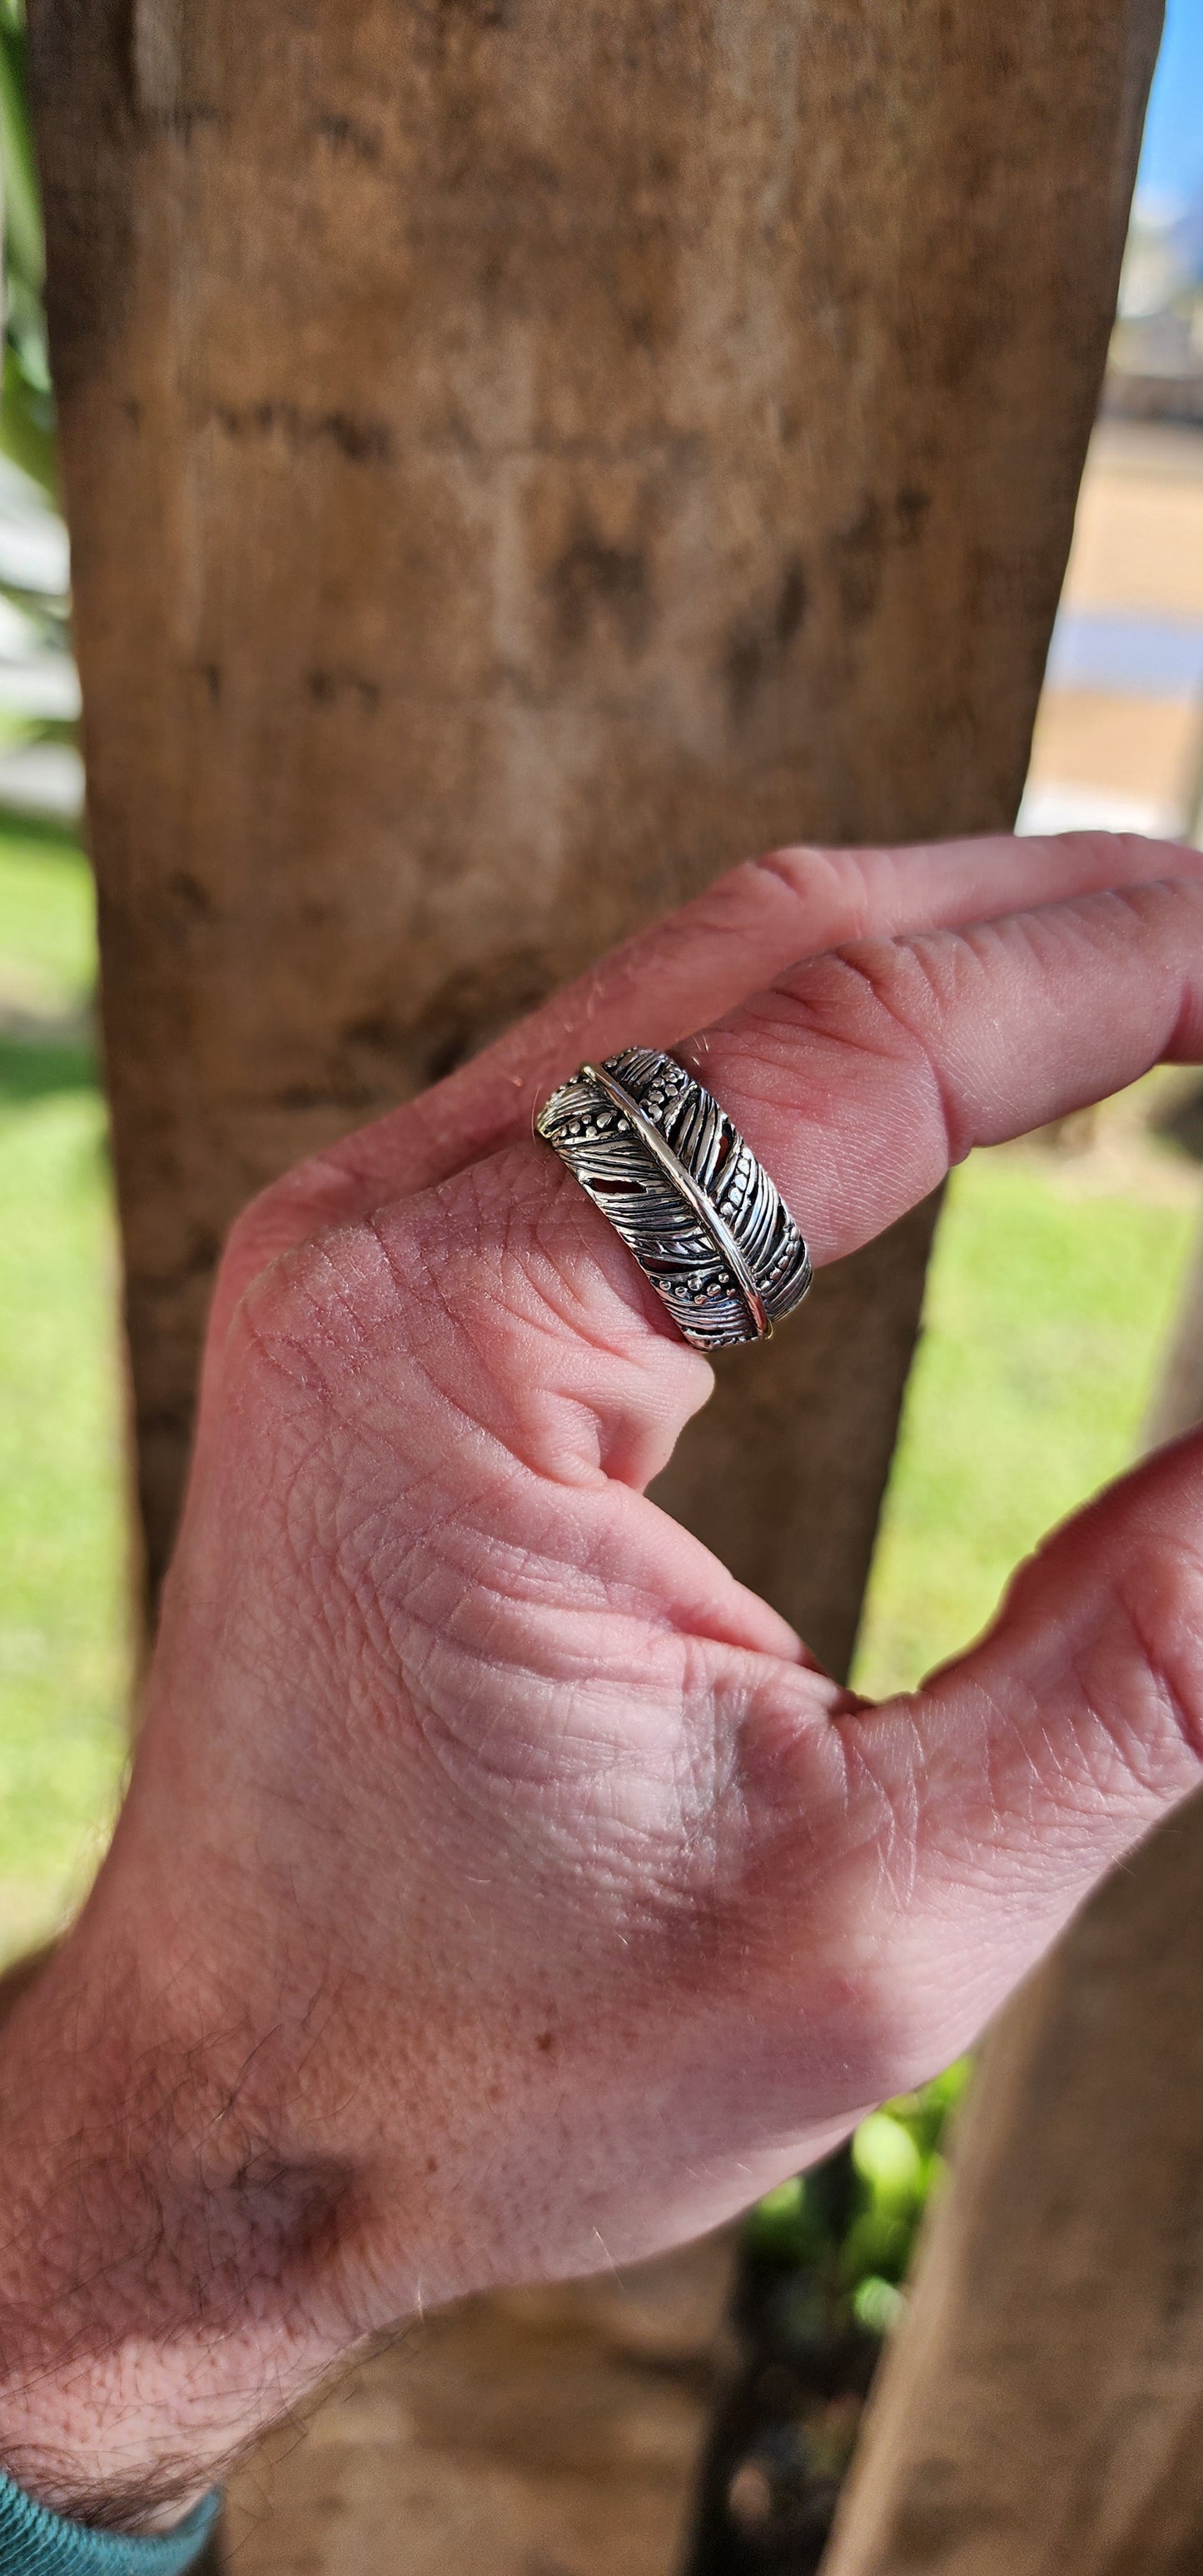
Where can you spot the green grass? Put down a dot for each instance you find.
(47, 920)
(1054, 1278)
(1048, 1304)
(64, 1631)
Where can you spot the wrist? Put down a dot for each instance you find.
(166, 2261)
(32, 2536)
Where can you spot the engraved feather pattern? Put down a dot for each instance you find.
(726, 1269)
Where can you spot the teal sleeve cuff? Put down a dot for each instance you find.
(36, 2542)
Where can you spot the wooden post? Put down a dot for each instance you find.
(1178, 1402)
(1041, 2413)
(520, 459)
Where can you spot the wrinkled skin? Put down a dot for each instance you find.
(502, 1890)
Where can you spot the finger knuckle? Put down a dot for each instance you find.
(1159, 1596)
(254, 1237)
(305, 1313)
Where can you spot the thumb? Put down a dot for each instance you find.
(985, 1807)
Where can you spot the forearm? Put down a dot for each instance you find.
(166, 2266)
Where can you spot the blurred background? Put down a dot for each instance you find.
(1060, 1265)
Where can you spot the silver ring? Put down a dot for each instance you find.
(665, 1164)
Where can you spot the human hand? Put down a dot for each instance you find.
(501, 1890)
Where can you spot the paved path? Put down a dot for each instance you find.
(1119, 739)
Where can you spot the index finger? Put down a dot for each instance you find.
(856, 1080)
(683, 973)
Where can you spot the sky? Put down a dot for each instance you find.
(1171, 166)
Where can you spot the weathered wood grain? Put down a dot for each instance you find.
(550, 2433)
(520, 460)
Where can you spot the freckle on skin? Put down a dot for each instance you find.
(545, 2042)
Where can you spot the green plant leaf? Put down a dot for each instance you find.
(24, 238)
